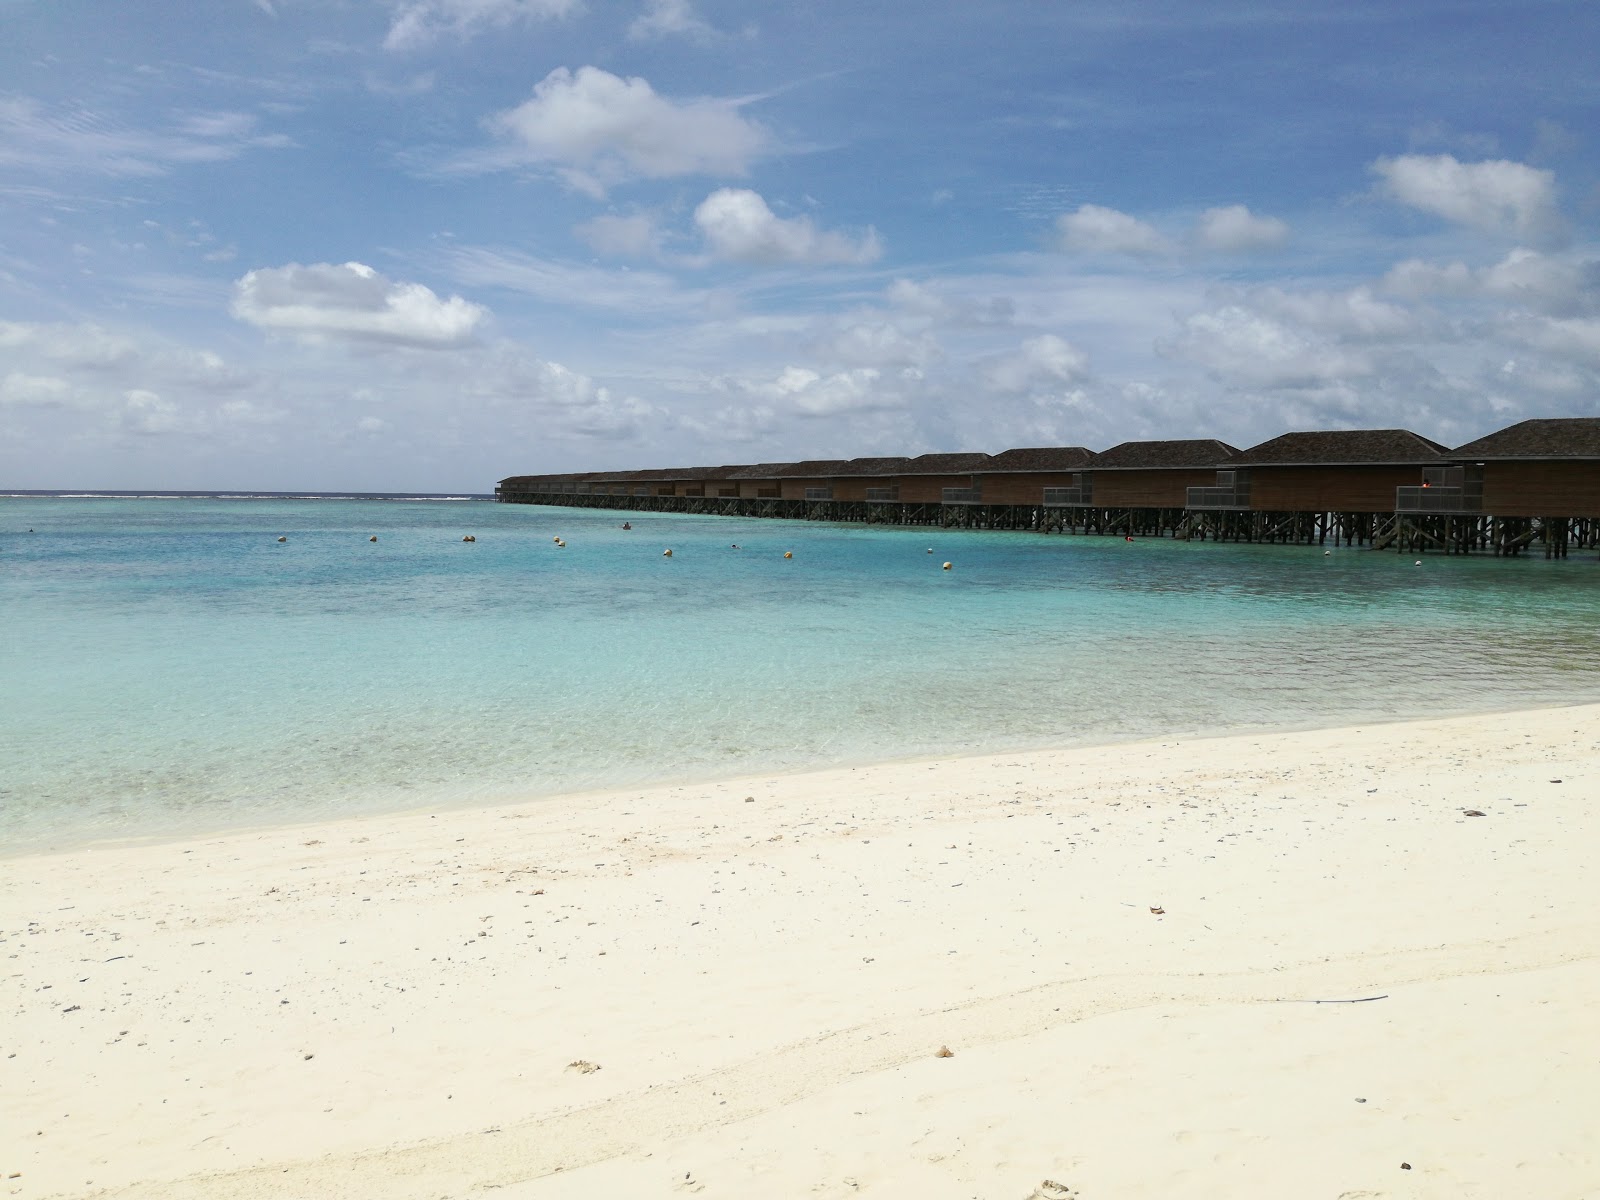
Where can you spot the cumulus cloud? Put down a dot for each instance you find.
(419, 23)
(1542, 282)
(738, 226)
(1354, 314)
(1046, 361)
(1239, 346)
(1106, 231)
(352, 301)
(597, 129)
(1495, 195)
(1234, 229)
(808, 393)
(146, 412)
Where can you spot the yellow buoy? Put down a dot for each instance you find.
(557, 538)
(788, 553)
(947, 566)
(666, 554)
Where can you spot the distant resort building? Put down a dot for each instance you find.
(1532, 484)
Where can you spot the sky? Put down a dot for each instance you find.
(420, 245)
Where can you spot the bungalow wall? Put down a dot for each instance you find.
(757, 489)
(929, 489)
(1019, 487)
(854, 487)
(1541, 489)
(1323, 489)
(795, 488)
(1150, 488)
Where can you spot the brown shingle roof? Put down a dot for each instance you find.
(944, 464)
(873, 466)
(812, 467)
(1170, 455)
(1342, 447)
(1041, 458)
(760, 471)
(1542, 437)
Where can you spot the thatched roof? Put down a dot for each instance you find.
(1342, 448)
(1041, 458)
(945, 464)
(874, 466)
(1542, 437)
(1189, 453)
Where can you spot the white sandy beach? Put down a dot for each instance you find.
(1122, 948)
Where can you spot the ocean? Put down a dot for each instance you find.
(171, 667)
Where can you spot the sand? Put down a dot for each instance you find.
(1267, 965)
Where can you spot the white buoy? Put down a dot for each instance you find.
(666, 554)
(469, 538)
(283, 539)
(1419, 562)
(373, 538)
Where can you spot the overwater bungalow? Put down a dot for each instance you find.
(1536, 481)
(873, 480)
(1306, 487)
(942, 479)
(811, 479)
(1037, 475)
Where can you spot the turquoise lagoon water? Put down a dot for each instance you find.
(169, 666)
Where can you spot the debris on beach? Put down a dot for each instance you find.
(1157, 910)
(583, 1066)
(945, 1052)
(1473, 812)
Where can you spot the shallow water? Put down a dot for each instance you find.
(170, 666)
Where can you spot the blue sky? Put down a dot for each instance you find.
(424, 244)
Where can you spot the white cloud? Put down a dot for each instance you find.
(1239, 346)
(82, 140)
(1543, 282)
(146, 412)
(1106, 231)
(324, 301)
(598, 129)
(808, 393)
(1354, 314)
(1495, 195)
(42, 391)
(880, 344)
(739, 226)
(1044, 362)
(418, 23)
(669, 18)
(1567, 337)
(1234, 229)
